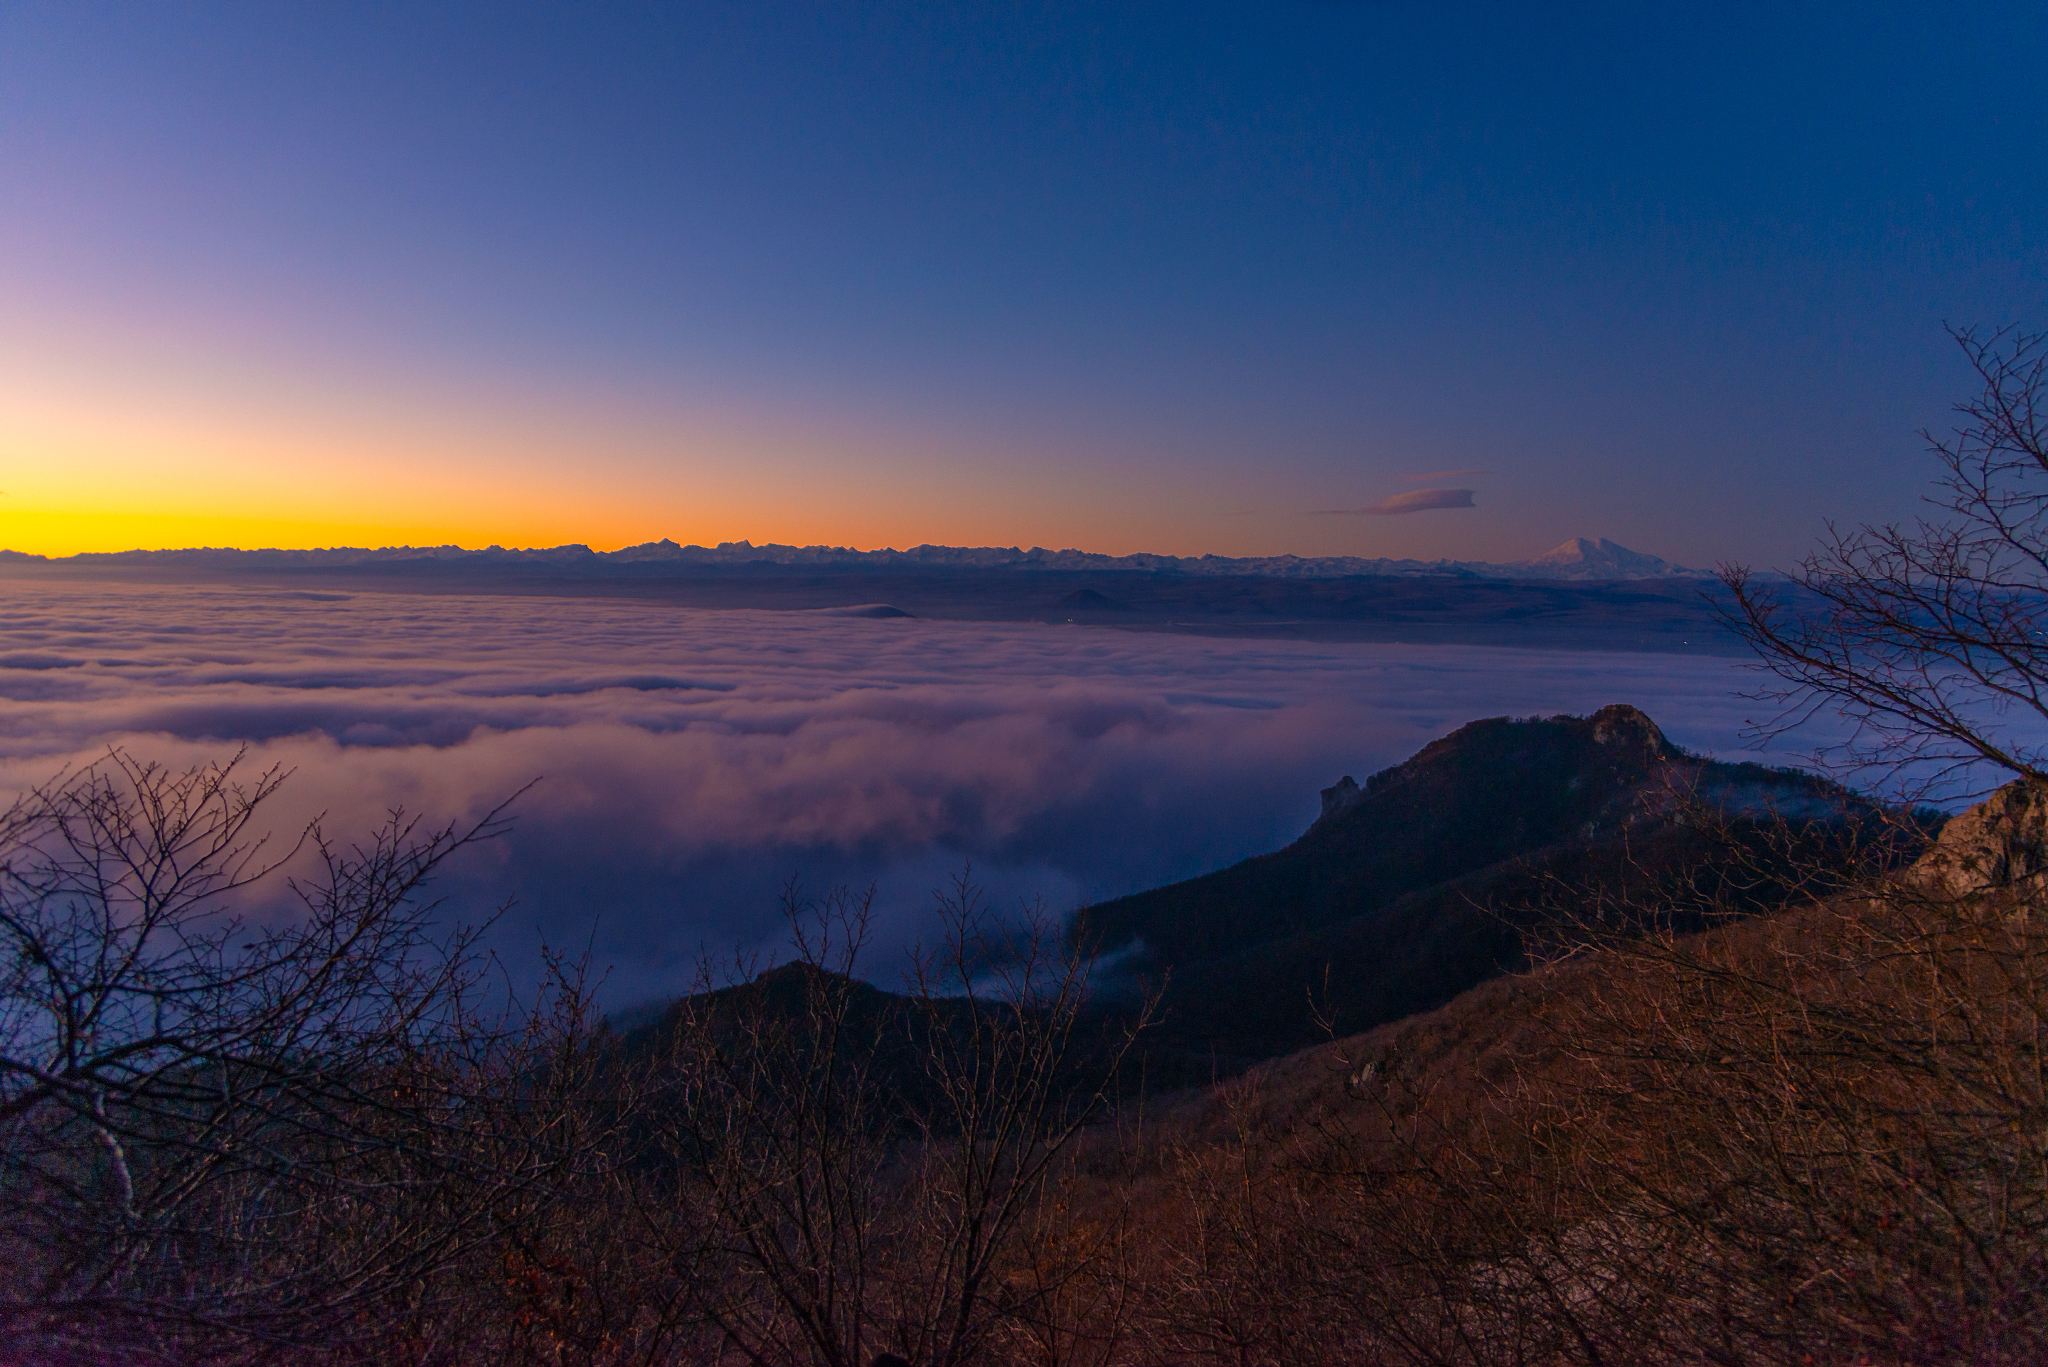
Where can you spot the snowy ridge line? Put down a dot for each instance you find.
(1579, 558)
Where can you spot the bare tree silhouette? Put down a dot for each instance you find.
(1931, 638)
(222, 1138)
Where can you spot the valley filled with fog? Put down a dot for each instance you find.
(691, 762)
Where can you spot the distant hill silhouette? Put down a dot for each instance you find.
(875, 611)
(1420, 884)
(1089, 600)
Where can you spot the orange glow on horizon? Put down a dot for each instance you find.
(61, 533)
(239, 456)
(58, 533)
(140, 481)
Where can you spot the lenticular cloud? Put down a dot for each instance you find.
(690, 762)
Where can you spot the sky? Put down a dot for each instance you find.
(675, 767)
(1178, 278)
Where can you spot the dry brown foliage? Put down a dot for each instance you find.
(1816, 1137)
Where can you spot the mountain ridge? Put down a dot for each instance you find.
(1579, 558)
(1431, 877)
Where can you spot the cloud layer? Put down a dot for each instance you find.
(1414, 501)
(1443, 474)
(691, 761)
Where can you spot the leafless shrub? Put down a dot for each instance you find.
(1930, 637)
(1824, 1133)
(233, 1141)
(838, 1171)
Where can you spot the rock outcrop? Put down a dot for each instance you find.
(2002, 842)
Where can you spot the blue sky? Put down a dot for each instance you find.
(1141, 277)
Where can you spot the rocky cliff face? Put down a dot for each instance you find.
(1340, 796)
(2002, 842)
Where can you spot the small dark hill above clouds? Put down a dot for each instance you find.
(1422, 882)
(880, 612)
(790, 1007)
(1088, 601)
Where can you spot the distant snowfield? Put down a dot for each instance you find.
(692, 761)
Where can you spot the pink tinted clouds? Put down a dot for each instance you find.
(690, 761)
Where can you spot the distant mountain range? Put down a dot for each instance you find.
(1578, 559)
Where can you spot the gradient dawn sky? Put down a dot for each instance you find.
(1177, 277)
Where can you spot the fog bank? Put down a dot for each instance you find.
(692, 761)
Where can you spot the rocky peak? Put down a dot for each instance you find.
(1600, 767)
(1344, 793)
(1628, 729)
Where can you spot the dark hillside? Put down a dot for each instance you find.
(1807, 1136)
(1424, 881)
(813, 1017)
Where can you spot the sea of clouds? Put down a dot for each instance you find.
(691, 762)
